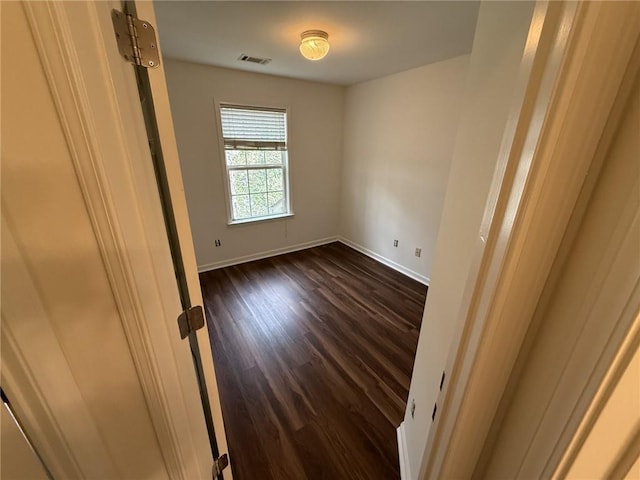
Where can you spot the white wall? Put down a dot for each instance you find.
(495, 59)
(398, 143)
(315, 114)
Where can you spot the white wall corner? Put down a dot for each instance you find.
(384, 260)
(403, 454)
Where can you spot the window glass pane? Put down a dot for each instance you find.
(255, 157)
(274, 157)
(241, 207)
(235, 157)
(254, 139)
(258, 181)
(274, 180)
(276, 202)
(239, 181)
(259, 204)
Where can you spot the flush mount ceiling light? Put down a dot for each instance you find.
(314, 44)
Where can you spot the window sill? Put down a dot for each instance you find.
(249, 221)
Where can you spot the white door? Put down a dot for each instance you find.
(92, 359)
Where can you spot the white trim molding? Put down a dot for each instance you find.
(315, 243)
(266, 254)
(403, 454)
(384, 260)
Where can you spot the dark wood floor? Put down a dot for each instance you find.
(313, 353)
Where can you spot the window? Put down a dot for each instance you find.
(255, 158)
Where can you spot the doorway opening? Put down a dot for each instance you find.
(334, 288)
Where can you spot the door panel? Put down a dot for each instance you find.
(175, 192)
(92, 357)
(55, 290)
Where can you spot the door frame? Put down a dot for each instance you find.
(543, 163)
(96, 97)
(98, 105)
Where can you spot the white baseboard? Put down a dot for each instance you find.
(315, 243)
(269, 253)
(403, 454)
(389, 263)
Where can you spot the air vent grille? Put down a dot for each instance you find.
(250, 59)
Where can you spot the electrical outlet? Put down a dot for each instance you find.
(413, 407)
(418, 252)
(217, 243)
(395, 243)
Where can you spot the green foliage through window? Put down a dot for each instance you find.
(256, 192)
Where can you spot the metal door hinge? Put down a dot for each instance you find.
(136, 39)
(219, 465)
(190, 320)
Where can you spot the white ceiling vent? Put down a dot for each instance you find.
(250, 59)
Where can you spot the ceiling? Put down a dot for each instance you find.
(368, 39)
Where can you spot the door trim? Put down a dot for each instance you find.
(566, 104)
(179, 201)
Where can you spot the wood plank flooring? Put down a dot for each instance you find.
(313, 353)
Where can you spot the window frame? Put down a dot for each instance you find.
(226, 170)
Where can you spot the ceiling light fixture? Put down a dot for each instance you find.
(314, 44)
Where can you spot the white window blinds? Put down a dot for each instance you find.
(253, 129)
